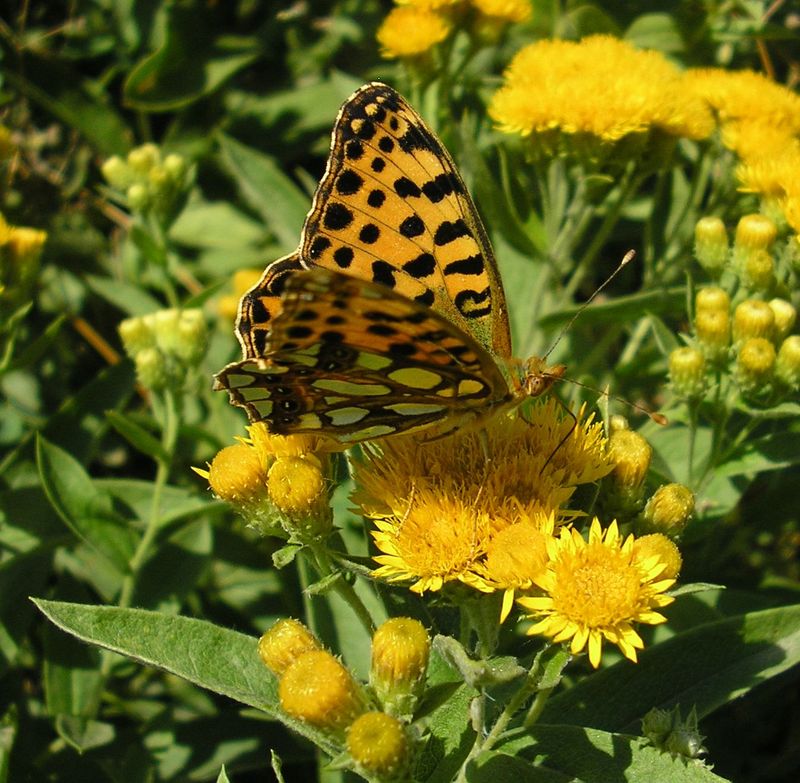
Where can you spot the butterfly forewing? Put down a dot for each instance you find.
(351, 358)
(392, 209)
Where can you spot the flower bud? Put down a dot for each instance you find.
(117, 173)
(237, 476)
(176, 167)
(785, 317)
(138, 197)
(623, 494)
(378, 745)
(668, 510)
(191, 336)
(298, 488)
(712, 297)
(713, 330)
(755, 232)
(758, 271)
(152, 369)
(143, 158)
(711, 245)
(20, 251)
(284, 643)
(753, 319)
(631, 454)
(787, 364)
(658, 545)
(687, 372)
(400, 650)
(136, 335)
(317, 689)
(755, 365)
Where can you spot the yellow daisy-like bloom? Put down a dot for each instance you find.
(595, 590)
(746, 95)
(438, 508)
(437, 541)
(600, 86)
(504, 10)
(515, 557)
(409, 32)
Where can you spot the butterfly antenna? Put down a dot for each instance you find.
(658, 418)
(626, 259)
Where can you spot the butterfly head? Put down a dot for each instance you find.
(537, 377)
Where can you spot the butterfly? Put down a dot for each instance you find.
(390, 317)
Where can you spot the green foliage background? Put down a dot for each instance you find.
(247, 92)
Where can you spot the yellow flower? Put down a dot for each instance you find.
(746, 95)
(504, 10)
(243, 281)
(411, 31)
(659, 546)
(595, 590)
(516, 556)
(600, 86)
(437, 508)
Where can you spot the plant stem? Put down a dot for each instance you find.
(324, 567)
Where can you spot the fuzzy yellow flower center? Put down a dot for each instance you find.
(597, 587)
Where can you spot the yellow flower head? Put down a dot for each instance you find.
(600, 86)
(504, 10)
(437, 508)
(243, 281)
(409, 31)
(595, 590)
(748, 96)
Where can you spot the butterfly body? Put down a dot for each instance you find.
(390, 317)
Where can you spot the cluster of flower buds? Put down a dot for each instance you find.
(165, 346)
(751, 341)
(149, 181)
(20, 250)
(280, 485)
(373, 723)
(662, 515)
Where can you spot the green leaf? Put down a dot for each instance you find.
(219, 225)
(86, 510)
(656, 31)
(192, 61)
(267, 189)
(223, 776)
(221, 660)
(130, 299)
(706, 666)
(571, 753)
(9, 725)
(772, 452)
(137, 436)
(79, 103)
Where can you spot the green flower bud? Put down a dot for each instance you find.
(753, 319)
(118, 173)
(138, 197)
(787, 364)
(755, 365)
(152, 369)
(668, 510)
(712, 298)
(143, 158)
(136, 335)
(713, 330)
(176, 167)
(711, 245)
(758, 271)
(785, 317)
(400, 650)
(687, 372)
(755, 232)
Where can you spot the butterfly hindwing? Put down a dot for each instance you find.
(354, 359)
